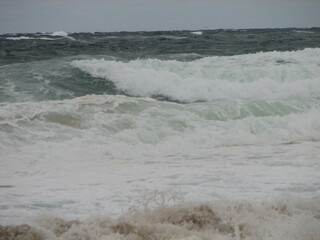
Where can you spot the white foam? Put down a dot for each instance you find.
(301, 31)
(60, 34)
(29, 38)
(197, 33)
(171, 37)
(20, 38)
(45, 38)
(269, 75)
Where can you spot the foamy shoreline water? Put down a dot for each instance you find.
(284, 218)
(160, 135)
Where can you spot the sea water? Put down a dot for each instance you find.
(160, 135)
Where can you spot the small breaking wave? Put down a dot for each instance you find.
(303, 31)
(20, 38)
(197, 33)
(29, 38)
(61, 34)
(285, 218)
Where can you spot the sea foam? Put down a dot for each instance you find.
(145, 125)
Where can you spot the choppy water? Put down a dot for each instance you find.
(161, 135)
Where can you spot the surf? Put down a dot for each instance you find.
(272, 75)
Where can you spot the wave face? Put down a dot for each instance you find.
(160, 135)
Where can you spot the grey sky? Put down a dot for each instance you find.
(145, 15)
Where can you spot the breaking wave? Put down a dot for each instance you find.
(60, 34)
(29, 38)
(197, 33)
(270, 75)
(284, 218)
(147, 125)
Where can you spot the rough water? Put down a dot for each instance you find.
(160, 135)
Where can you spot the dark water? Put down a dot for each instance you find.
(131, 45)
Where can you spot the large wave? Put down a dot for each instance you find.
(270, 75)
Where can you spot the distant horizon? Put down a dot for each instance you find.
(173, 30)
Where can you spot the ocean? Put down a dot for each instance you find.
(181, 135)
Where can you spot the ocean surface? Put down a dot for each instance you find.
(182, 135)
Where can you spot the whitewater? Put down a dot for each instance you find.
(160, 135)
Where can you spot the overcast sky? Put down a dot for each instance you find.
(146, 15)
